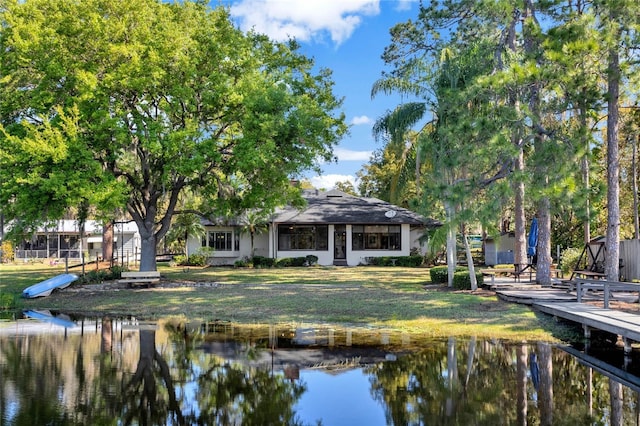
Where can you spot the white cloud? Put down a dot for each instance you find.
(328, 182)
(405, 4)
(361, 119)
(349, 155)
(304, 20)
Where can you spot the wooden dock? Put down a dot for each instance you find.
(623, 324)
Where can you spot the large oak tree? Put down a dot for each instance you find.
(130, 103)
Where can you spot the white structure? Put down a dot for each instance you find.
(338, 228)
(62, 239)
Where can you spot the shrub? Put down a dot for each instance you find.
(440, 274)
(405, 261)
(462, 280)
(242, 263)
(410, 261)
(93, 277)
(197, 260)
(292, 261)
(569, 258)
(8, 301)
(299, 261)
(311, 260)
(6, 252)
(116, 272)
(285, 262)
(194, 260)
(263, 262)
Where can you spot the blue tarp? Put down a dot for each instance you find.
(532, 242)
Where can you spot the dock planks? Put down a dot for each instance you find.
(623, 324)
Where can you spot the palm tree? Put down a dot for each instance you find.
(186, 225)
(254, 223)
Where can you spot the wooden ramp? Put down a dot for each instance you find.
(534, 295)
(623, 324)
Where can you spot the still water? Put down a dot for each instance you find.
(107, 371)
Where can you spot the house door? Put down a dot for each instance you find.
(340, 242)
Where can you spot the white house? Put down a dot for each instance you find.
(62, 239)
(338, 228)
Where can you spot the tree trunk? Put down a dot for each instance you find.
(186, 246)
(106, 336)
(521, 384)
(634, 183)
(612, 243)
(147, 249)
(616, 397)
(543, 266)
(520, 255)
(451, 243)
(545, 392)
(472, 269)
(107, 242)
(586, 179)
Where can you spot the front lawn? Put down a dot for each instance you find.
(392, 297)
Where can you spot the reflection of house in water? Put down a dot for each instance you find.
(292, 350)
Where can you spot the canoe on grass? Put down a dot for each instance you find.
(45, 287)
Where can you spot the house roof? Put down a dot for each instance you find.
(336, 207)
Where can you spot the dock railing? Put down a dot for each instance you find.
(607, 287)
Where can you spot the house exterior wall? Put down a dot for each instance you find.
(266, 244)
(225, 257)
(53, 244)
(359, 257)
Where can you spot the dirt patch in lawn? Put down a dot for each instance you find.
(114, 285)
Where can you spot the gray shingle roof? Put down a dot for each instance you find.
(336, 207)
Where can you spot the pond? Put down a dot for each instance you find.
(58, 370)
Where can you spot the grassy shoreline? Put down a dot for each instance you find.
(401, 299)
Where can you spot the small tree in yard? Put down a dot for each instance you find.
(132, 103)
(185, 225)
(254, 223)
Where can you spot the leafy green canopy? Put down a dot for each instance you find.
(132, 102)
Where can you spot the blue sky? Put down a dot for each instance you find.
(348, 37)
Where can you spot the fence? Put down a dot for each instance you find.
(630, 255)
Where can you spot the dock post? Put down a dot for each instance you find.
(587, 331)
(627, 345)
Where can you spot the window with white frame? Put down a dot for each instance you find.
(376, 237)
(221, 240)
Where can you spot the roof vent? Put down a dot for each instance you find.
(390, 213)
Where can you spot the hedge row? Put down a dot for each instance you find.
(462, 280)
(440, 274)
(461, 277)
(269, 262)
(405, 261)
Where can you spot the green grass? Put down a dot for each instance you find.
(391, 297)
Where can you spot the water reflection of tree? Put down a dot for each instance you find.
(35, 384)
(223, 393)
(143, 402)
(50, 380)
(483, 383)
(232, 393)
